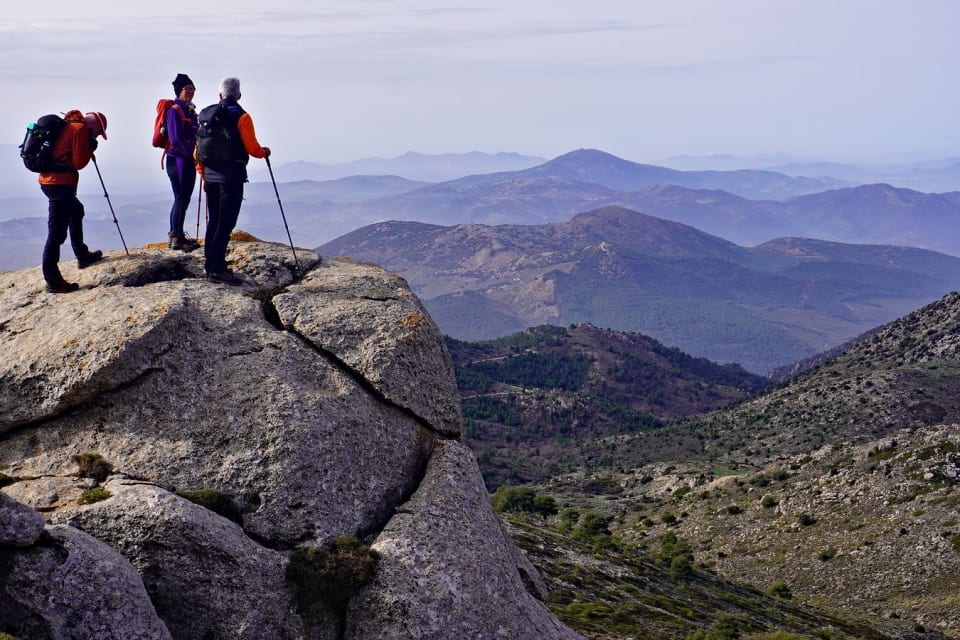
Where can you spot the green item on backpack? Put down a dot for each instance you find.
(36, 151)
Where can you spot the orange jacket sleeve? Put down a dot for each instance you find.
(249, 137)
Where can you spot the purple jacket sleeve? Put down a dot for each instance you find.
(182, 135)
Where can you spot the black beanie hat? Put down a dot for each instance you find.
(180, 82)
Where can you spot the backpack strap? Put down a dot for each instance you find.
(174, 106)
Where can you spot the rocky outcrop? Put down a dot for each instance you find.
(205, 576)
(70, 585)
(20, 526)
(313, 402)
(381, 332)
(469, 590)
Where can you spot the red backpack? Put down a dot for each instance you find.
(160, 138)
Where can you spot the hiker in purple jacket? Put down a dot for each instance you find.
(181, 126)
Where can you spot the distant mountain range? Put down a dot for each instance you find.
(412, 166)
(930, 176)
(585, 180)
(553, 191)
(866, 214)
(597, 167)
(761, 307)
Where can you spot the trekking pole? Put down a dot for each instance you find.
(199, 199)
(110, 204)
(295, 261)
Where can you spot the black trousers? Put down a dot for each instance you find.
(223, 201)
(183, 177)
(65, 215)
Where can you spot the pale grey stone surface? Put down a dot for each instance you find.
(188, 383)
(316, 400)
(71, 586)
(207, 579)
(371, 320)
(48, 493)
(20, 526)
(447, 567)
(105, 335)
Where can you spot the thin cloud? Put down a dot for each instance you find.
(396, 75)
(368, 46)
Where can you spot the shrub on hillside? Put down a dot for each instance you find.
(92, 465)
(592, 527)
(806, 520)
(677, 554)
(567, 519)
(725, 627)
(96, 494)
(781, 590)
(544, 505)
(509, 498)
(680, 567)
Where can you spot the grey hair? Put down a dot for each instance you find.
(230, 88)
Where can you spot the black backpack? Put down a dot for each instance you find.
(218, 139)
(37, 148)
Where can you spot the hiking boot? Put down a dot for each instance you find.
(62, 287)
(182, 243)
(226, 277)
(91, 258)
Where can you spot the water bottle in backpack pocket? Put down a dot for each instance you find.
(36, 151)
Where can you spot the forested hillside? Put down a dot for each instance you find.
(532, 399)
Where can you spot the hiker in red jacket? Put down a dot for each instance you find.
(72, 151)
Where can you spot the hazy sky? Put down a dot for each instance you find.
(848, 80)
